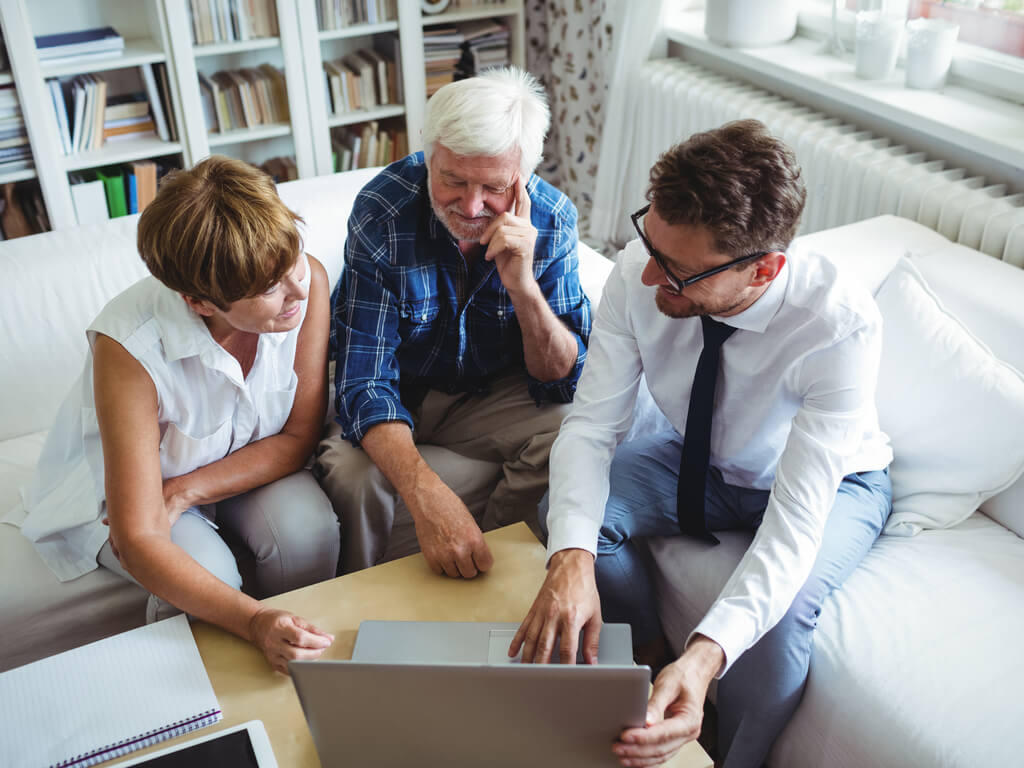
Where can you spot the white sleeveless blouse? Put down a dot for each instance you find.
(207, 409)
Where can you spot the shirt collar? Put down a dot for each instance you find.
(758, 315)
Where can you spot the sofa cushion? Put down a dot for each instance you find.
(985, 294)
(954, 412)
(40, 615)
(58, 282)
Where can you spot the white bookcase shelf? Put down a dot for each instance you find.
(238, 46)
(242, 135)
(136, 52)
(359, 30)
(116, 152)
(23, 175)
(490, 11)
(363, 115)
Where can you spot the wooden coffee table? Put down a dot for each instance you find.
(405, 589)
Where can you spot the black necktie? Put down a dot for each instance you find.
(693, 464)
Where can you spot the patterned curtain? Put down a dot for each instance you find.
(569, 43)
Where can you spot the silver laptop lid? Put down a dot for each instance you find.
(468, 715)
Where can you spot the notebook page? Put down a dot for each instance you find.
(105, 699)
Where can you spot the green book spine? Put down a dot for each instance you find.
(113, 184)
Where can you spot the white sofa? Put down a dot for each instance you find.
(916, 660)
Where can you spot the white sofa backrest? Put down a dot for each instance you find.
(55, 285)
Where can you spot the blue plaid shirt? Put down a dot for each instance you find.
(409, 316)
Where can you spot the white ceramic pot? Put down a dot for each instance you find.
(750, 23)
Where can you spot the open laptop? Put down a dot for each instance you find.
(446, 693)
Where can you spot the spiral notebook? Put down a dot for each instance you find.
(106, 699)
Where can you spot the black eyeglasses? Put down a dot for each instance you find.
(678, 283)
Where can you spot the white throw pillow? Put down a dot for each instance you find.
(954, 412)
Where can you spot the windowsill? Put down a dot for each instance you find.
(985, 125)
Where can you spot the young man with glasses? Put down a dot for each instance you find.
(766, 367)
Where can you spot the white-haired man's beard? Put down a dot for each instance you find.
(469, 231)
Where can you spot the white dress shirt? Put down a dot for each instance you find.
(207, 409)
(794, 413)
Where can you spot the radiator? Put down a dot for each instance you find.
(850, 174)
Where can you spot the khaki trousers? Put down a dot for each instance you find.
(491, 450)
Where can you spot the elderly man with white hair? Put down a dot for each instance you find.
(459, 332)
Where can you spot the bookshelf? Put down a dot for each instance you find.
(141, 24)
(260, 142)
(162, 33)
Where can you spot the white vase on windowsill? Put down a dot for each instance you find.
(750, 23)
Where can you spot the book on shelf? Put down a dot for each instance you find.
(21, 210)
(65, 47)
(487, 45)
(244, 98)
(229, 21)
(115, 191)
(363, 79)
(367, 145)
(125, 106)
(129, 128)
(155, 101)
(281, 169)
(339, 14)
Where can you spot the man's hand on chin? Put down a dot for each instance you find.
(449, 537)
(567, 602)
(676, 709)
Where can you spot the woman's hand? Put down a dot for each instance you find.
(282, 636)
(177, 499)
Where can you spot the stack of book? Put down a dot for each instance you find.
(97, 43)
(15, 152)
(127, 117)
(361, 80)
(338, 14)
(281, 169)
(87, 116)
(367, 145)
(441, 53)
(244, 98)
(21, 210)
(486, 46)
(115, 191)
(228, 21)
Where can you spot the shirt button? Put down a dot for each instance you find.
(501, 313)
(423, 316)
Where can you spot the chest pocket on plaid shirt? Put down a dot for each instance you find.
(417, 317)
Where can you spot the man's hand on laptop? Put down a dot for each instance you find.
(283, 636)
(567, 602)
(676, 708)
(449, 537)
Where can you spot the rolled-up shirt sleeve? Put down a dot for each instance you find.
(601, 415)
(839, 384)
(560, 284)
(365, 335)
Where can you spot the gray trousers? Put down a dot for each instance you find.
(272, 539)
(491, 450)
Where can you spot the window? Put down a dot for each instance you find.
(996, 25)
